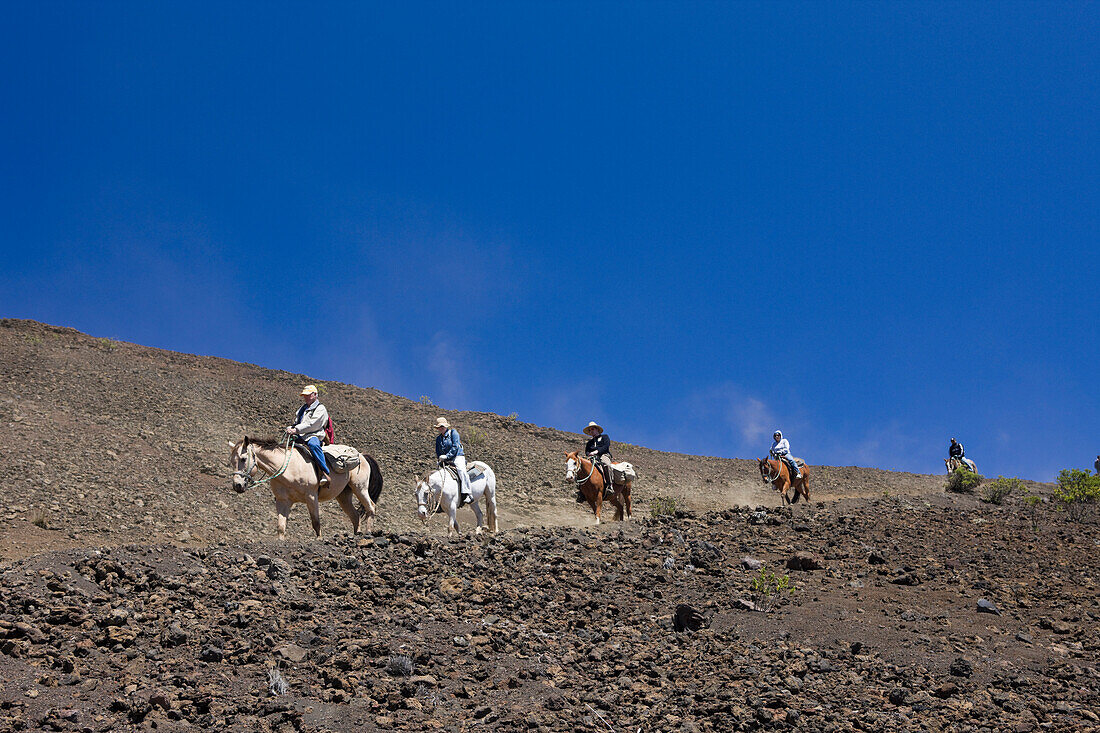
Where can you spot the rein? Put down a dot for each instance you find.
(772, 479)
(582, 481)
(435, 500)
(252, 465)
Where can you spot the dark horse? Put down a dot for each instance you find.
(590, 481)
(778, 475)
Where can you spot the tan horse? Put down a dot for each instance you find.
(293, 480)
(590, 481)
(776, 473)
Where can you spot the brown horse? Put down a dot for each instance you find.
(293, 480)
(590, 481)
(777, 474)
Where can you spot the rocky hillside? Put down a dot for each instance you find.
(108, 443)
(138, 592)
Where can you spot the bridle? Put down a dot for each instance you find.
(435, 497)
(251, 465)
(580, 481)
(769, 479)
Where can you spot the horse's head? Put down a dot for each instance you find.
(423, 494)
(243, 462)
(571, 464)
(766, 471)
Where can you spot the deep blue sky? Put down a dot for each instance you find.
(872, 225)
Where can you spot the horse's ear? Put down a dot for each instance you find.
(246, 441)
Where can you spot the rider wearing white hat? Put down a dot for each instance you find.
(598, 448)
(309, 428)
(448, 450)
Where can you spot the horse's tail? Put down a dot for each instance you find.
(374, 484)
(491, 498)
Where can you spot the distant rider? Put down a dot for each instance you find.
(955, 450)
(309, 428)
(781, 449)
(448, 451)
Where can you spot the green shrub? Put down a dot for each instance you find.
(999, 489)
(963, 481)
(1077, 494)
(767, 589)
(1031, 505)
(474, 437)
(662, 506)
(426, 401)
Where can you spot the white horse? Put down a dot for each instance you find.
(440, 489)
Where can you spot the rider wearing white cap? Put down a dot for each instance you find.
(781, 449)
(309, 427)
(448, 450)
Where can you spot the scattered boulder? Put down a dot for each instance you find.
(804, 561)
(688, 619)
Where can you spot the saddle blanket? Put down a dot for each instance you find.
(622, 473)
(341, 458)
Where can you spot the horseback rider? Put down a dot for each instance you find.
(448, 451)
(309, 429)
(955, 450)
(598, 449)
(781, 449)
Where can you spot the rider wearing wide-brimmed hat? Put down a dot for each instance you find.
(598, 448)
(448, 450)
(309, 428)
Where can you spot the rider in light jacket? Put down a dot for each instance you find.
(781, 449)
(309, 427)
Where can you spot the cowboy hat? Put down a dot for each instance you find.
(441, 422)
(308, 389)
(592, 426)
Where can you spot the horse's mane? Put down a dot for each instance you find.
(266, 443)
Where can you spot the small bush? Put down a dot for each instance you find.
(475, 437)
(276, 685)
(105, 344)
(400, 665)
(426, 401)
(1077, 494)
(963, 481)
(1000, 488)
(662, 506)
(40, 518)
(767, 588)
(512, 416)
(1031, 505)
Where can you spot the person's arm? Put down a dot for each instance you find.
(782, 448)
(603, 444)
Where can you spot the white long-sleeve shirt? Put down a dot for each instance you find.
(781, 448)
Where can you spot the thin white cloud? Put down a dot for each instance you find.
(446, 363)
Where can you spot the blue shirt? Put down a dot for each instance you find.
(447, 445)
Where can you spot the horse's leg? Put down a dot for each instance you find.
(599, 499)
(626, 495)
(282, 506)
(344, 500)
(491, 507)
(617, 502)
(476, 506)
(314, 512)
(364, 501)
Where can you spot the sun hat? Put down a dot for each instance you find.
(441, 422)
(308, 389)
(592, 426)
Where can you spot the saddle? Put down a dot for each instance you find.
(463, 499)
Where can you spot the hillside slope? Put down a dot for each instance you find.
(109, 442)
